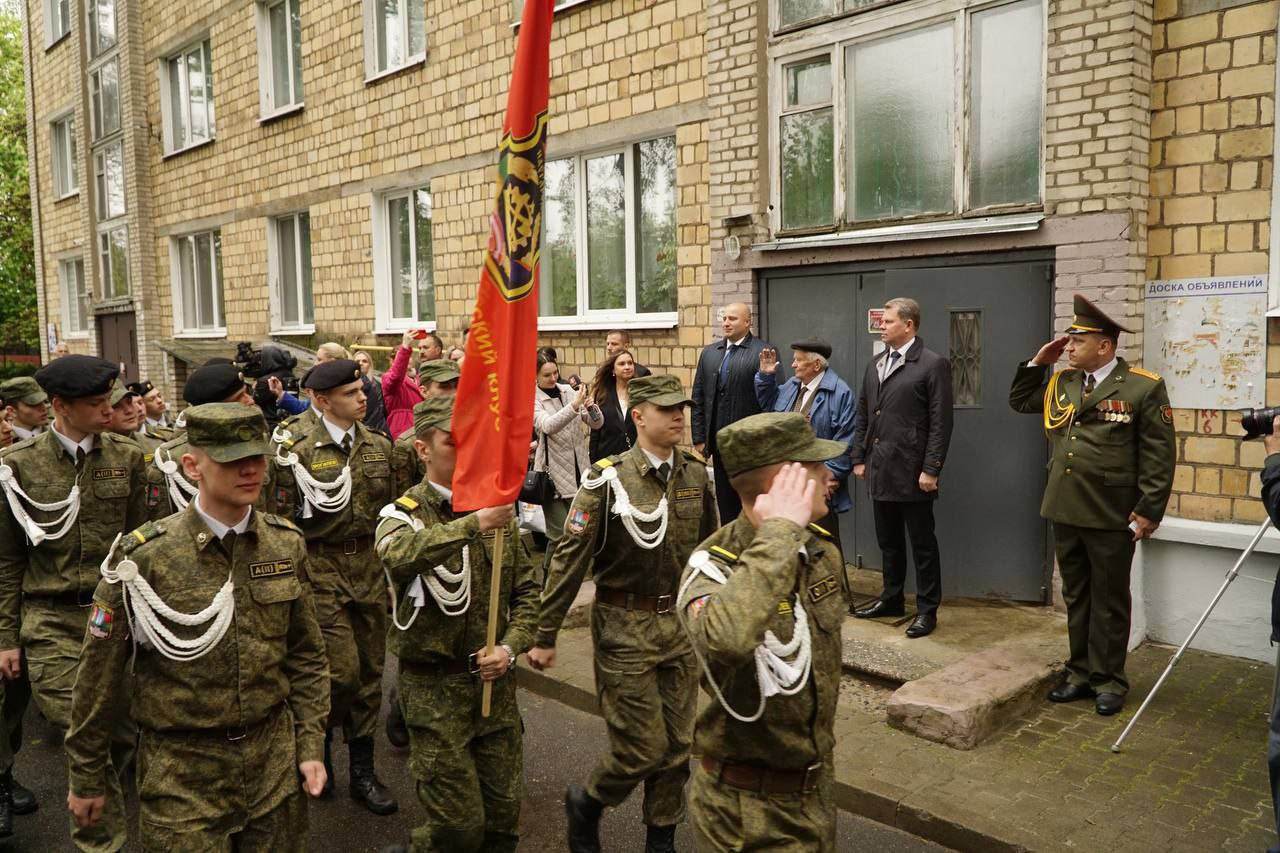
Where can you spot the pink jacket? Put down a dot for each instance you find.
(400, 394)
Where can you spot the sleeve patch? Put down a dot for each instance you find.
(1166, 414)
(578, 521)
(694, 607)
(100, 619)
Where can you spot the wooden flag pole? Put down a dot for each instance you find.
(495, 600)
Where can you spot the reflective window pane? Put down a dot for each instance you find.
(280, 78)
(177, 105)
(109, 165)
(187, 268)
(105, 85)
(102, 26)
(808, 174)
(1004, 145)
(809, 83)
(902, 96)
(417, 26)
(287, 251)
(558, 290)
(401, 258)
(196, 82)
(656, 226)
(606, 233)
(424, 269)
(119, 248)
(390, 34)
(304, 250)
(798, 11)
(295, 48)
(204, 281)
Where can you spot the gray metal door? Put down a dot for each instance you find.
(985, 317)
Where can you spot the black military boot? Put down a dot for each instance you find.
(326, 793)
(397, 731)
(659, 839)
(6, 806)
(583, 811)
(365, 787)
(24, 799)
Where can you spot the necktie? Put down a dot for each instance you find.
(891, 362)
(346, 444)
(228, 541)
(664, 471)
(1088, 384)
(80, 457)
(724, 364)
(795, 407)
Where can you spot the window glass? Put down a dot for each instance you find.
(66, 166)
(558, 294)
(606, 233)
(287, 249)
(791, 12)
(425, 274)
(808, 174)
(102, 26)
(105, 85)
(118, 249)
(809, 83)
(656, 226)
(109, 166)
(304, 250)
(281, 80)
(390, 31)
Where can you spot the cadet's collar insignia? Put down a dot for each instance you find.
(202, 537)
(1166, 414)
(823, 588)
(100, 621)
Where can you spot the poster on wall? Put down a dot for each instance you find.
(1208, 338)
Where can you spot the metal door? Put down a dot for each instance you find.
(118, 339)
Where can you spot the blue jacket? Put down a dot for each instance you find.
(831, 416)
(292, 404)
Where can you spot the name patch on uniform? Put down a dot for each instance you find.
(577, 521)
(110, 473)
(685, 494)
(823, 588)
(373, 456)
(270, 569)
(100, 621)
(325, 464)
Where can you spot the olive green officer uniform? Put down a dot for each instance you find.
(1112, 453)
(45, 588)
(765, 784)
(406, 466)
(469, 768)
(646, 676)
(152, 436)
(221, 735)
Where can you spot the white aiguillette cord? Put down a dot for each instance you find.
(38, 531)
(180, 491)
(623, 508)
(451, 602)
(145, 611)
(326, 497)
(775, 674)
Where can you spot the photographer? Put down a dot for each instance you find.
(1271, 498)
(275, 386)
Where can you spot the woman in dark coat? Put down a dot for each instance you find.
(610, 391)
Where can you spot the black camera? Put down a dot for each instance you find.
(1257, 422)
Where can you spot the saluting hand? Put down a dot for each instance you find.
(1052, 351)
(313, 777)
(790, 496)
(768, 360)
(86, 811)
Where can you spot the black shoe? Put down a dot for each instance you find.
(24, 799)
(1068, 692)
(880, 608)
(583, 811)
(660, 839)
(397, 731)
(922, 626)
(1109, 703)
(326, 793)
(365, 787)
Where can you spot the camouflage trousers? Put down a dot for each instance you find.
(647, 684)
(17, 695)
(725, 818)
(353, 620)
(51, 637)
(203, 792)
(469, 769)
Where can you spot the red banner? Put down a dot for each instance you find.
(493, 414)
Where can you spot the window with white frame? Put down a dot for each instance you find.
(65, 150)
(898, 118)
(75, 297)
(608, 250)
(395, 34)
(517, 7)
(102, 26)
(104, 98)
(403, 266)
(113, 261)
(289, 248)
(57, 20)
(108, 173)
(186, 89)
(279, 56)
(196, 261)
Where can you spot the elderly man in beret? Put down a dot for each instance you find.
(53, 542)
(827, 402)
(29, 404)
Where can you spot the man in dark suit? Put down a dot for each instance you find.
(724, 392)
(615, 342)
(899, 447)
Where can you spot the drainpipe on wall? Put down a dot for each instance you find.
(33, 180)
(1273, 253)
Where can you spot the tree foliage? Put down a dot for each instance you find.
(19, 324)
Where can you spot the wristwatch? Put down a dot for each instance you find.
(511, 656)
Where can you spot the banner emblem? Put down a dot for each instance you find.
(515, 226)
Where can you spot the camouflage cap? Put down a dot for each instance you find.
(22, 389)
(433, 413)
(439, 370)
(120, 391)
(769, 438)
(227, 431)
(659, 390)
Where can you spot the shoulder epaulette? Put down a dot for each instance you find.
(407, 503)
(695, 456)
(605, 463)
(821, 531)
(141, 536)
(717, 551)
(18, 445)
(1154, 377)
(281, 521)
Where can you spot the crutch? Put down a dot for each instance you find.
(1231, 575)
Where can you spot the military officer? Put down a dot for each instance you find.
(469, 768)
(232, 710)
(70, 490)
(1111, 472)
(336, 477)
(634, 523)
(763, 600)
(30, 405)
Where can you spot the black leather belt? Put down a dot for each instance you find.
(346, 547)
(763, 780)
(635, 601)
(435, 670)
(231, 735)
(83, 598)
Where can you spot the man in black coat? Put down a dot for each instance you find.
(724, 392)
(899, 447)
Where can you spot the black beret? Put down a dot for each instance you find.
(814, 345)
(332, 374)
(75, 376)
(217, 359)
(213, 383)
(142, 388)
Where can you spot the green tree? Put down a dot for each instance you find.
(19, 323)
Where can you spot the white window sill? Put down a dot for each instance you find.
(192, 147)
(397, 327)
(202, 334)
(50, 44)
(911, 231)
(294, 331)
(559, 7)
(633, 321)
(71, 194)
(411, 62)
(291, 109)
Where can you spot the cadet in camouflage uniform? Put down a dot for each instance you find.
(765, 780)
(350, 593)
(30, 405)
(469, 768)
(646, 675)
(124, 413)
(48, 566)
(1114, 450)
(438, 378)
(227, 726)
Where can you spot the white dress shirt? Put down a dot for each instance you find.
(217, 528)
(886, 367)
(21, 433)
(85, 444)
(445, 491)
(1101, 373)
(337, 434)
(657, 462)
(807, 390)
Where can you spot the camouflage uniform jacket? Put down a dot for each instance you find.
(767, 571)
(112, 499)
(405, 463)
(435, 638)
(272, 654)
(160, 504)
(596, 539)
(152, 436)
